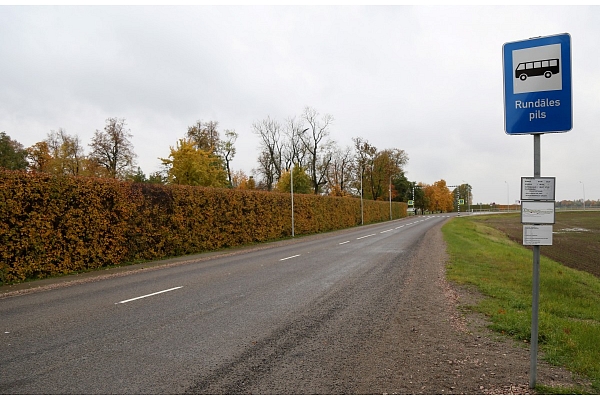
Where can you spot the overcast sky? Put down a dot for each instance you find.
(424, 79)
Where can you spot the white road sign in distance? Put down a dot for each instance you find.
(537, 85)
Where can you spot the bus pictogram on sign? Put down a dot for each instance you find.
(547, 68)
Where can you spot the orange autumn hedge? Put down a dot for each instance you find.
(53, 225)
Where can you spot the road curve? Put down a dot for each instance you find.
(290, 318)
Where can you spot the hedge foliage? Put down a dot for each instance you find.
(52, 225)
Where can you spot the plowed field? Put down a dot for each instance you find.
(576, 239)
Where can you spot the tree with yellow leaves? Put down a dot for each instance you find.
(189, 165)
(439, 197)
(302, 181)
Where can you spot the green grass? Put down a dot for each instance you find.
(569, 313)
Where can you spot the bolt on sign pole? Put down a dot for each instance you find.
(538, 99)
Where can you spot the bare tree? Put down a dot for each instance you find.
(266, 170)
(227, 151)
(318, 146)
(112, 148)
(340, 171)
(270, 157)
(294, 151)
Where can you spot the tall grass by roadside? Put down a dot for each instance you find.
(569, 314)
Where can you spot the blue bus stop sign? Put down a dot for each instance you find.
(537, 85)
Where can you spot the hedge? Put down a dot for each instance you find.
(53, 225)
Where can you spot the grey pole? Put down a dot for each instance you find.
(536, 276)
(390, 191)
(292, 190)
(362, 216)
(507, 198)
(583, 195)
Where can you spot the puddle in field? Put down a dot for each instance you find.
(565, 230)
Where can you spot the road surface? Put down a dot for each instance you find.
(295, 316)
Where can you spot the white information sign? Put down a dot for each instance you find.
(537, 212)
(537, 235)
(537, 188)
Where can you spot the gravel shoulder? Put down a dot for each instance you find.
(441, 350)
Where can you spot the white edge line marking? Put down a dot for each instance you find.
(287, 258)
(373, 234)
(347, 241)
(389, 230)
(148, 295)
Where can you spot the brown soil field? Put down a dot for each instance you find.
(576, 239)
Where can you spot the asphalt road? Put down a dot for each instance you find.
(281, 318)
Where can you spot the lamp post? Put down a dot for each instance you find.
(507, 197)
(390, 194)
(292, 191)
(583, 195)
(292, 186)
(362, 215)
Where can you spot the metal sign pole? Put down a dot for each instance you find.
(536, 276)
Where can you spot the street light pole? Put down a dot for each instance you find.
(583, 195)
(362, 214)
(292, 186)
(390, 194)
(292, 191)
(507, 197)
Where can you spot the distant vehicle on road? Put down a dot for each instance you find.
(537, 68)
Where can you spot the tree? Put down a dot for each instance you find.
(39, 157)
(205, 135)
(386, 164)
(364, 158)
(421, 200)
(439, 197)
(239, 180)
(59, 154)
(464, 192)
(12, 153)
(402, 188)
(340, 172)
(112, 148)
(158, 178)
(270, 156)
(227, 151)
(318, 146)
(189, 165)
(66, 152)
(302, 182)
(294, 151)
(138, 176)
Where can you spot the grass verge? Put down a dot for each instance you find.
(569, 313)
